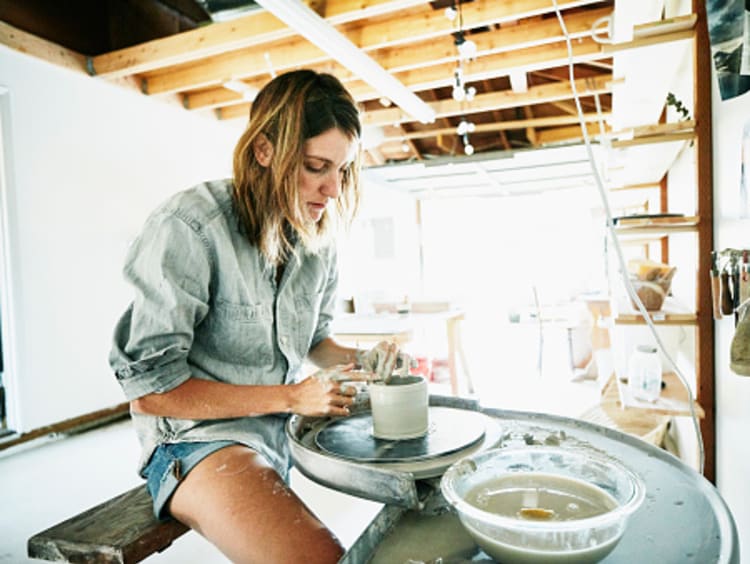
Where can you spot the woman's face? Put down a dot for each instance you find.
(325, 162)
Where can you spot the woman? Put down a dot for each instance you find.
(234, 288)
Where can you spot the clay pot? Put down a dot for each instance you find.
(399, 408)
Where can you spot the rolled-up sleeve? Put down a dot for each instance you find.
(328, 302)
(169, 267)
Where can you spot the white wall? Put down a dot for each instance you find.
(732, 391)
(379, 256)
(89, 161)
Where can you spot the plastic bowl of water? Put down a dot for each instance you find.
(543, 504)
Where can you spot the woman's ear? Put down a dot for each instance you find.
(263, 150)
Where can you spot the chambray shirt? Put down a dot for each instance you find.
(207, 306)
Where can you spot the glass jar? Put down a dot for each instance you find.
(644, 373)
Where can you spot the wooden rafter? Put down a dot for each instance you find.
(517, 39)
(248, 31)
(41, 48)
(530, 131)
(495, 100)
(368, 36)
(436, 51)
(506, 125)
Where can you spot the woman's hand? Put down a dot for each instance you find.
(383, 359)
(326, 392)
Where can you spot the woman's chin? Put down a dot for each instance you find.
(315, 215)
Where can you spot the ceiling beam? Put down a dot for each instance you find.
(482, 102)
(497, 100)
(430, 53)
(530, 131)
(339, 48)
(488, 67)
(419, 55)
(500, 100)
(554, 121)
(570, 133)
(496, 65)
(248, 31)
(529, 34)
(295, 52)
(30, 44)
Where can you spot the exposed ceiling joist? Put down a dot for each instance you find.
(416, 26)
(413, 41)
(254, 29)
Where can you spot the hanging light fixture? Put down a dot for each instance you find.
(467, 50)
(459, 91)
(468, 147)
(465, 127)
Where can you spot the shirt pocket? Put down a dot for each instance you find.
(308, 312)
(240, 333)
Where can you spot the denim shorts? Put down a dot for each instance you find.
(169, 464)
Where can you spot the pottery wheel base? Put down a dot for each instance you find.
(450, 430)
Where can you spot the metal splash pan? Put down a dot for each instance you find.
(342, 454)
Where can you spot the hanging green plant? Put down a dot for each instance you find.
(681, 109)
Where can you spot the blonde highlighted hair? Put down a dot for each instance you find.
(289, 110)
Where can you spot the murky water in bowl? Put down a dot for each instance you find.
(540, 496)
(544, 498)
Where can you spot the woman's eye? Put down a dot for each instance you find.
(317, 169)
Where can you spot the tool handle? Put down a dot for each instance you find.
(727, 303)
(716, 295)
(744, 284)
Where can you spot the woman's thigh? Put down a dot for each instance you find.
(235, 499)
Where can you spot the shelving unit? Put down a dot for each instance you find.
(684, 240)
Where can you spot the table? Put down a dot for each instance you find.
(363, 328)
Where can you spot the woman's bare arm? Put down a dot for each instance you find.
(205, 399)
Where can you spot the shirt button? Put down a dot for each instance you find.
(284, 340)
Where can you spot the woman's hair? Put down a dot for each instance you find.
(289, 110)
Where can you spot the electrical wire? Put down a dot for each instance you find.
(618, 250)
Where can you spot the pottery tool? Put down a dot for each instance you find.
(715, 286)
(727, 303)
(744, 278)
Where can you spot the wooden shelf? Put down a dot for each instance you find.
(671, 314)
(673, 399)
(648, 422)
(657, 227)
(658, 317)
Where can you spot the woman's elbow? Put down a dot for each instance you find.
(145, 405)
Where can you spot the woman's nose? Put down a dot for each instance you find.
(332, 184)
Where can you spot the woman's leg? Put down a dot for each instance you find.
(235, 499)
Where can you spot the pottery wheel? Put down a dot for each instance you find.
(449, 430)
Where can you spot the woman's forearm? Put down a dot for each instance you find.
(329, 353)
(205, 399)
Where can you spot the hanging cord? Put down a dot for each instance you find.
(618, 250)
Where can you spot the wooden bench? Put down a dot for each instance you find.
(120, 530)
